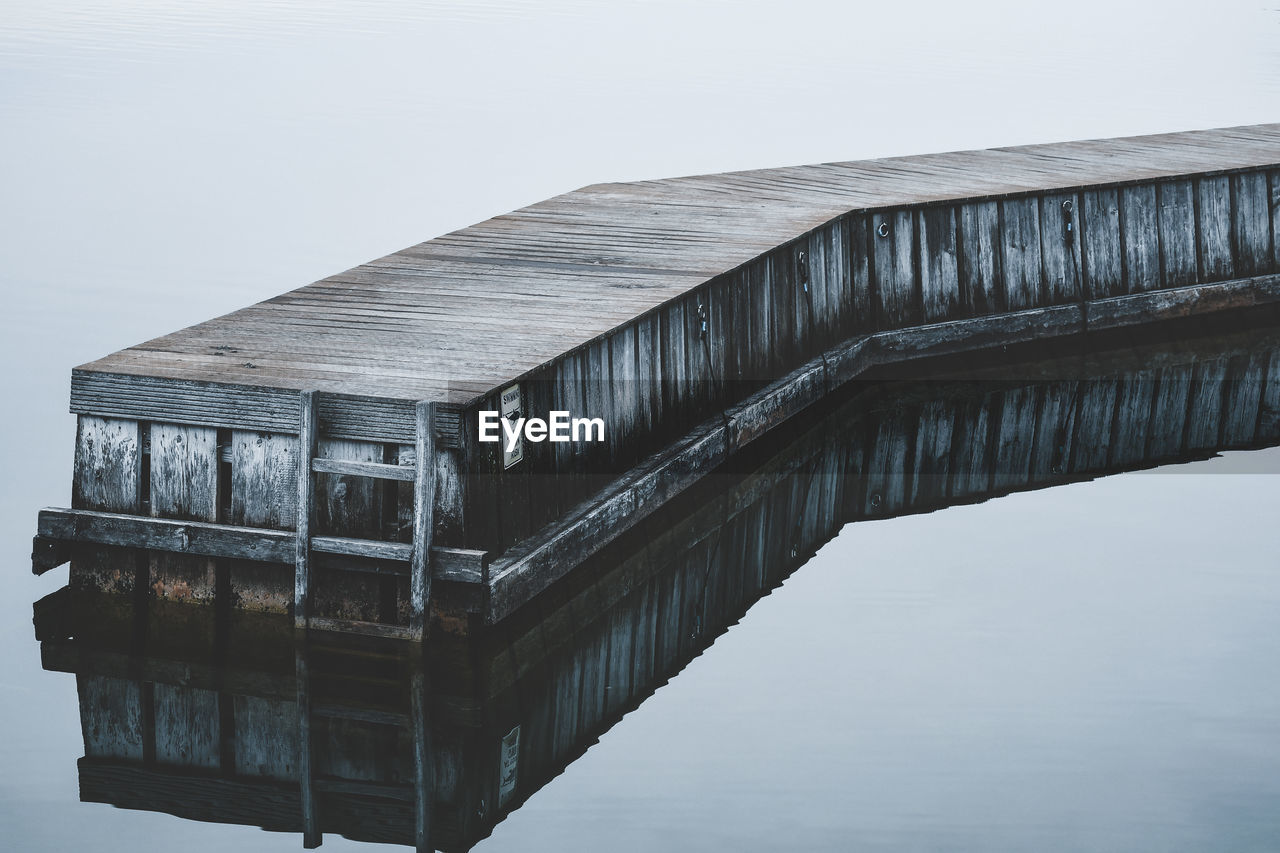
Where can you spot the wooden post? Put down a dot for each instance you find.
(423, 770)
(424, 491)
(306, 508)
(311, 836)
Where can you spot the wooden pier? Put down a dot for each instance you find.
(251, 722)
(317, 454)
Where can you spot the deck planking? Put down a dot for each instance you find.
(453, 318)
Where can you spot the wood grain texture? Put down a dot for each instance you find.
(1251, 224)
(1213, 230)
(1274, 179)
(981, 279)
(893, 269)
(1140, 235)
(1169, 411)
(1178, 240)
(184, 472)
(264, 479)
(939, 272)
(349, 503)
(1060, 247)
(305, 513)
(1205, 404)
(435, 320)
(424, 502)
(1020, 253)
(187, 727)
(1102, 246)
(184, 485)
(108, 464)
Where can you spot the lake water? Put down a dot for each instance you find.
(1088, 667)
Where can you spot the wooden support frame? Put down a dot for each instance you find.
(377, 470)
(424, 781)
(424, 493)
(59, 529)
(311, 834)
(307, 437)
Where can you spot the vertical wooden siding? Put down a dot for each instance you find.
(654, 378)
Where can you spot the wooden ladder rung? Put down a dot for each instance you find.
(378, 470)
(372, 548)
(367, 629)
(421, 474)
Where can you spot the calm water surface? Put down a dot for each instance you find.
(1090, 667)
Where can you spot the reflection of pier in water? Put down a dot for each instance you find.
(225, 717)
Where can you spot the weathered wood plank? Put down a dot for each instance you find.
(308, 436)
(887, 463)
(932, 466)
(184, 472)
(1060, 247)
(1242, 399)
(356, 468)
(1251, 224)
(672, 371)
(1169, 411)
(424, 500)
(861, 285)
(264, 479)
(981, 279)
(939, 271)
(384, 630)
(1177, 215)
(1134, 401)
(183, 475)
(893, 268)
(624, 390)
(971, 449)
(1196, 300)
(1274, 179)
(1213, 232)
(424, 776)
(311, 835)
(1205, 404)
(349, 503)
(1141, 237)
(1091, 444)
(108, 464)
(245, 543)
(1020, 253)
(111, 717)
(187, 729)
(1101, 237)
(1015, 437)
(1269, 403)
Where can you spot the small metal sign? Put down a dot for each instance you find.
(508, 766)
(511, 413)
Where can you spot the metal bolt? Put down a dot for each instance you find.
(883, 230)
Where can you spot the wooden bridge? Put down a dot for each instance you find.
(318, 453)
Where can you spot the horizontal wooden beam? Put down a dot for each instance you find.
(368, 629)
(378, 470)
(1157, 305)
(58, 525)
(362, 548)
